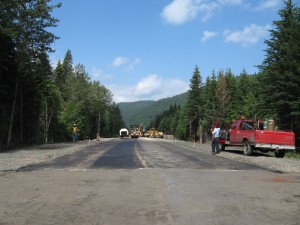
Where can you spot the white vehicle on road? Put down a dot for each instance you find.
(123, 132)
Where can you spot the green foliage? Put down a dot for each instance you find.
(167, 121)
(26, 22)
(87, 104)
(223, 96)
(136, 112)
(274, 92)
(71, 116)
(294, 155)
(193, 107)
(280, 70)
(182, 131)
(26, 71)
(145, 111)
(250, 106)
(38, 104)
(8, 74)
(117, 120)
(210, 102)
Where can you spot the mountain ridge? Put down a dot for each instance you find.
(145, 110)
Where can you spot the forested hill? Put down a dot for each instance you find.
(144, 111)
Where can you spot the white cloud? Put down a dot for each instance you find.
(267, 4)
(181, 11)
(151, 87)
(99, 74)
(249, 36)
(122, 93)
(129, 64)
(207, 9)
(133, 63)
(148, 85)
(231, 2)
(119, 61)
(208, 35)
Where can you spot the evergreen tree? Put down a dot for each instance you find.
(59, 76)
(65, 76)
(280, 70)
(193, 108)
(244, 84)
(25, 23)
(8, 74)
(182, 128)
(116, 120)
(68, 63)
(210, 101)
(222, 94)
(175, 120)
(235, 97)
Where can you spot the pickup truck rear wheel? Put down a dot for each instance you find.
(279, 153)
(248, 150)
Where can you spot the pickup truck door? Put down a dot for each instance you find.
(233, 132)
(240, 132)
(246, 130)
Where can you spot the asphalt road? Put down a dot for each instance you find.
(140, 153)
(144, 181)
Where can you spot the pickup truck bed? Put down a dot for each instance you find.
(275, 139)
(243, 133)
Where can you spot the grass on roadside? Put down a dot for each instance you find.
(290, 154)
(293, 154)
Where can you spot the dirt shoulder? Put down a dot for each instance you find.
(281, 165)
(13, 160)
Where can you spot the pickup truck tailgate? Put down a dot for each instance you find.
(275, 139)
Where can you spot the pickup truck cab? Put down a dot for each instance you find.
(252, 136)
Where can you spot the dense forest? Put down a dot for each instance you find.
(145, 111)
(274, 92)
(39, 104)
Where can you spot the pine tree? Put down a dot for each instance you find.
(244, 84)
(194, 103)
(26, 23)
(65, 75)
(222, 94)
(68, 63)
(210, 102)
(59, 77)
(280, 70)
(250, 107)
(235, 96)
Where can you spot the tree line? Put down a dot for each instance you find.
(274, 92)
(39, 104)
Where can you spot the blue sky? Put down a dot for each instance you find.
(148, 49)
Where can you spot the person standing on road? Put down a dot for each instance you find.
(215, 141)
(74, 132)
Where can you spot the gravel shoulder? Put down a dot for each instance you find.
(281, 165)
(13, 160)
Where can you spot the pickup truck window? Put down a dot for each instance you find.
(260, 126)
(234, 125)
(247, 126)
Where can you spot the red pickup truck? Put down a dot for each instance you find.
(252, 136)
